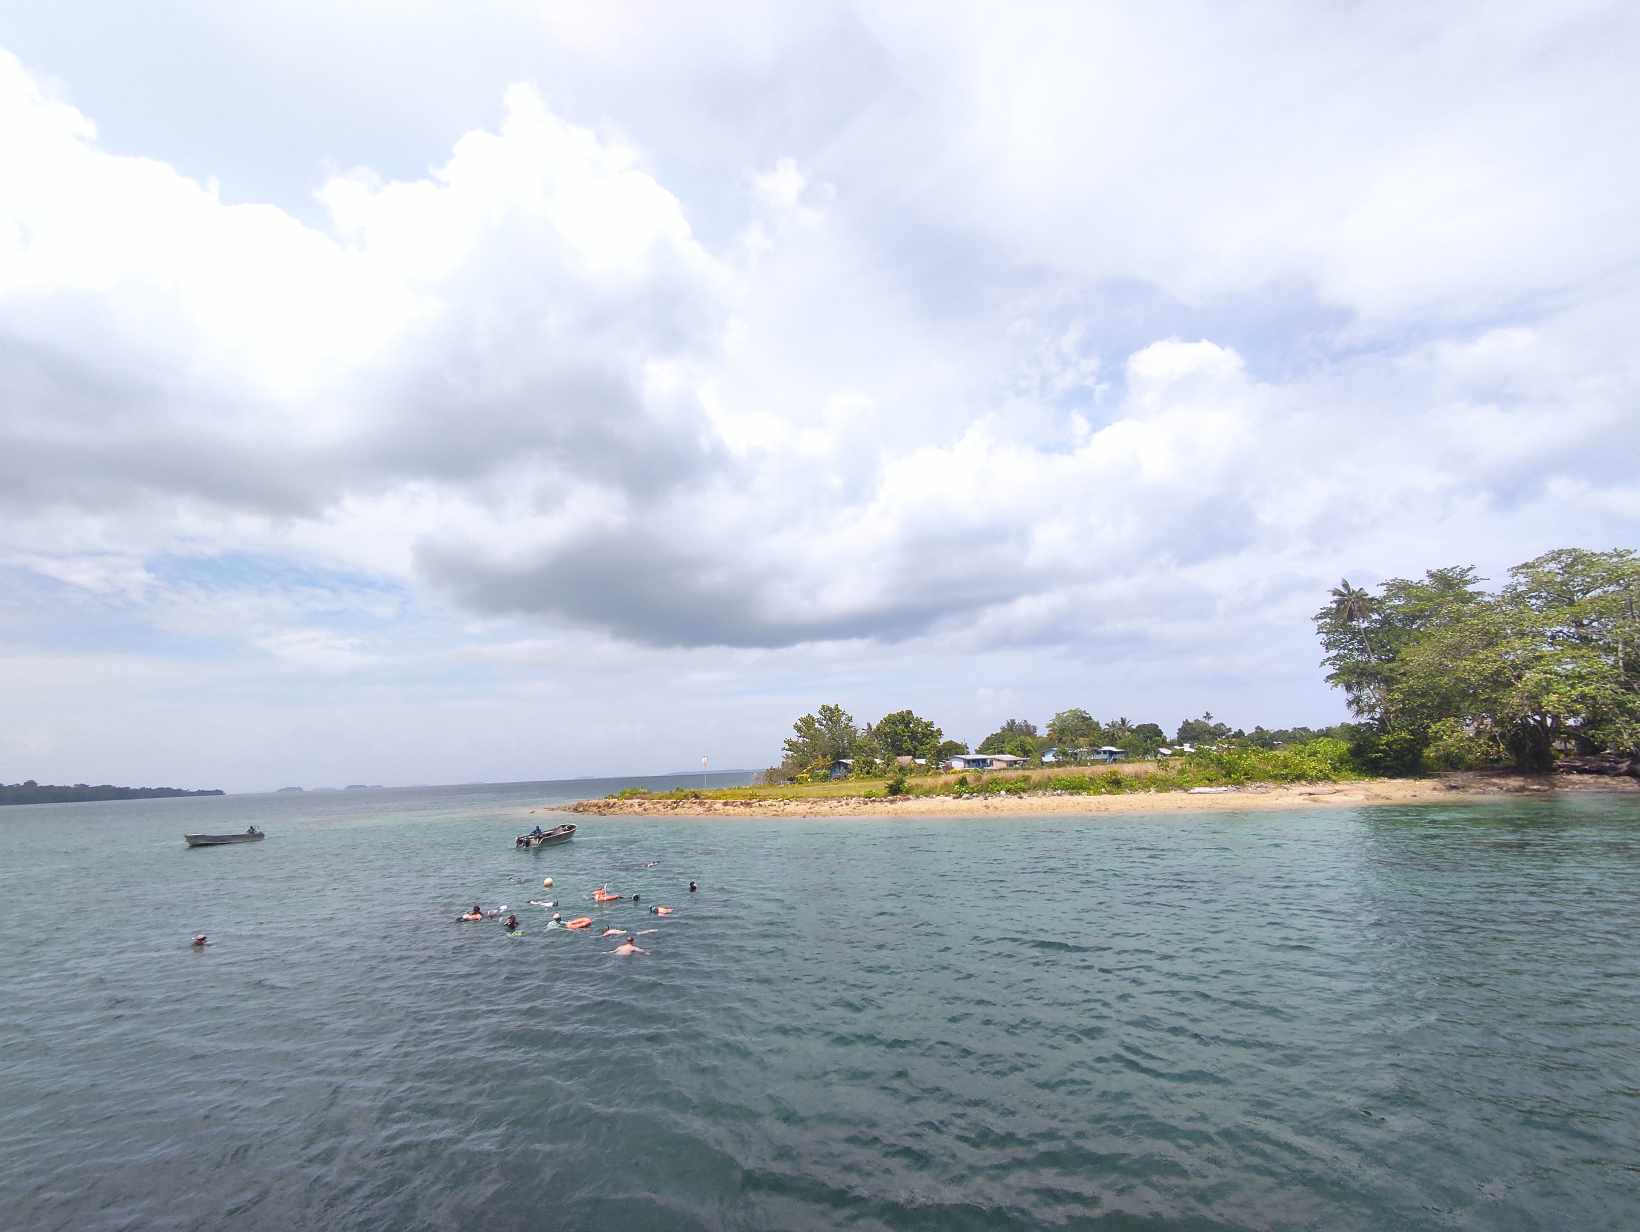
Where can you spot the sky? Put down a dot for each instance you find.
(418, 393)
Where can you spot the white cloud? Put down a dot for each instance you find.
(1089, 346)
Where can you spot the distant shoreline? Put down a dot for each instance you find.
(1448, 789)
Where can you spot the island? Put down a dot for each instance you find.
(30, 792)
(1453, 690)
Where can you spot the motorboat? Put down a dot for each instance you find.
(558, 834)
(253, 835)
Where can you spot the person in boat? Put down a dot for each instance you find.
(537, 832)
(629, 946)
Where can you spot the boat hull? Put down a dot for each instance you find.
(561, 834)
(221, 840)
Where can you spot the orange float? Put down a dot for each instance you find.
(583, 922)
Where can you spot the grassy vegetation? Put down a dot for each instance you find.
(1319, 761)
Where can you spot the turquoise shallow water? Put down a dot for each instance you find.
(1383, 1018)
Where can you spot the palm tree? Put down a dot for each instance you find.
(1351, 605)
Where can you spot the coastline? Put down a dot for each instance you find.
(1455, 788)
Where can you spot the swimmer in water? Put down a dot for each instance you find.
(634, 898)
(477, 913)
(199, 941)
(659, 910)
(611, 932)
(512, 923)
(557, 921)
(693, 887)
(629, 946)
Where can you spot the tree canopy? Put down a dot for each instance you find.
(819, 739)
(1445, 673)
(1016, 736)
(904, 734)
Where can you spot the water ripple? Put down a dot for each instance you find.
(1389, 1018)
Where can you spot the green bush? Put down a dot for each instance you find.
(1453, 747)
(896, 785)
(1397, 751)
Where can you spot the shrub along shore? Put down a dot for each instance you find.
(846, 801)
(1318, 773)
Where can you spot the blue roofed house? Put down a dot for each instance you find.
(984, 761)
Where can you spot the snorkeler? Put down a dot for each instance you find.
(512, 922)
(199, 941)
(629, 946)
(557, 921)
(659, 910)
(693, 887)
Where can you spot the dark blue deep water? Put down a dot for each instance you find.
(1381, 1018)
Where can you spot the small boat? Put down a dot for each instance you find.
(558, 834)
(253, 835)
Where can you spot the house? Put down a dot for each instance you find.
(1067, 756)
(842, 767)
(1109, 752)
(984, 761)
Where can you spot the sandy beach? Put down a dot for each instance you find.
(1449, 788)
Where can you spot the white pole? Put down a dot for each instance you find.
(703, 772)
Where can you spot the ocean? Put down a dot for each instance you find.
(1335, 1019)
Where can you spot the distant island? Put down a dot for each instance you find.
(293, 789)
(30, 792)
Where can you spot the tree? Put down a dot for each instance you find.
(1143, 739)
(1202, 730)
(1016, 736)
(1547, 663)
(1073, 729)
(1351, 605)
(819, 739)
(904, 734)
(949, 749)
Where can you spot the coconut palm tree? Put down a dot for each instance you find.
(1351, 605)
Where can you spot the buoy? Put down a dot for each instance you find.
(546, 882)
